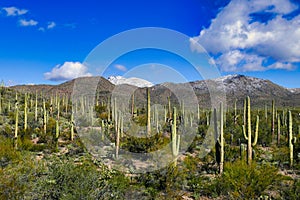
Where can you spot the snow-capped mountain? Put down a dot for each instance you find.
(237, 87)
(294, 90)
(118, 80)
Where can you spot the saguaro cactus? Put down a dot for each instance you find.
(220, 138)
(278, 130)
(16, 122)
(56, 134)
(273, 119)
(266, 113)
(45, 117)
(132, 105)
(169, 106)
(72, 127)
(25, 112)
(36, 108)
(249, 132)
(117, 135)
(148, 113)
(0, 103)
(235, 113)
(175, 138)
(291, 146)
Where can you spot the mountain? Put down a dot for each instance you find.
(237, 87)
(65, 88)
(294, 90)
(260, 91)
(138, 82)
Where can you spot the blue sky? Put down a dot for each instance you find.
(48, 41)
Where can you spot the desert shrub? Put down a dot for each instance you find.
(291, 191)
(17, 172)
(241, 181)
(7, 153)
(64, 179)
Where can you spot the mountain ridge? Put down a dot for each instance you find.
(237, 87)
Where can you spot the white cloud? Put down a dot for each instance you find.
(279, 65)
(239, 42)
(31, 22)
(51, 25)
(121, 68)
(67, 71)
(13, 11)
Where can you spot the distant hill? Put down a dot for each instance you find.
(237, 87)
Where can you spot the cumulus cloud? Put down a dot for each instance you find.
(13, 11)
(245, 35)
(121, 68)
(67, 71)
(31, 22)
(51, 25)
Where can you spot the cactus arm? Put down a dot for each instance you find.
(256, 131)
(244, 132)
(177, 145)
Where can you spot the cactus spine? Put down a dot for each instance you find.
(249, 132)
(291, 146)
(148, 113)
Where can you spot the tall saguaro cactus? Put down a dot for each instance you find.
(72, 127)
(56, 134)
(273, 119)
(291, 146)
(235, 113)
(16, 122)
(25, 112)
(118, 118)
(0, 103)
(220, 139)
(36, 107)
(132, 105)
(175, 137)
(278, 130)
(247, 127)
(148, 113)
(45, 117)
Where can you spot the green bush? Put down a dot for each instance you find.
(7, 153)
(65, 179)
(241, 181)
(16, 179)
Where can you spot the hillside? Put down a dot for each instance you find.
(237, 87)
